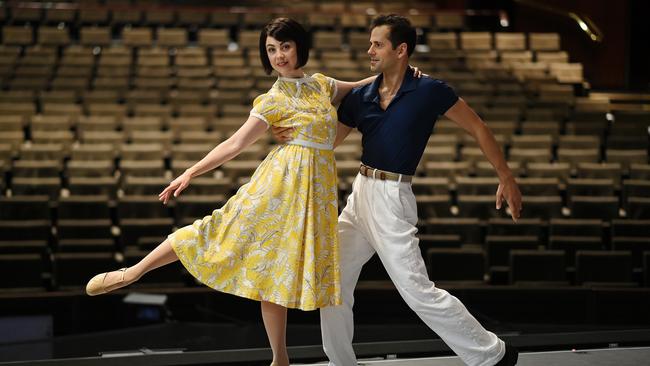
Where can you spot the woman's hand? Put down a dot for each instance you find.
(417, 72)
(175, 187)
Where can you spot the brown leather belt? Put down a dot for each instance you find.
(371, 172)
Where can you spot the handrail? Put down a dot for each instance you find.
(583, 21)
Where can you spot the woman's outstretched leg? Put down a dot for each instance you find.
(275, 322)
(105, 282)
(162, 255)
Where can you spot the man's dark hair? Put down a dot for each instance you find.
(284, 30)
(401, 30)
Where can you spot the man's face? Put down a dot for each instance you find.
(381, 52)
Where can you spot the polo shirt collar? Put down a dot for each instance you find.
(409, 83)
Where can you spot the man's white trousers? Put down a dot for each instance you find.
(380, 216)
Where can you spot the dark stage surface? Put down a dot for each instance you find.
(201, 344)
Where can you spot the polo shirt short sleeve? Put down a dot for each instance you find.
(442, 96)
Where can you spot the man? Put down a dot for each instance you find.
(396, 115)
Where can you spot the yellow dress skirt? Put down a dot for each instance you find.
(276, 239)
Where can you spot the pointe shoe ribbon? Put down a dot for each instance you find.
(97, 285)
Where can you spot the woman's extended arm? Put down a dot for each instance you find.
(247, 134)
(344, 87)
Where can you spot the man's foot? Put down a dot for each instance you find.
(510, 357)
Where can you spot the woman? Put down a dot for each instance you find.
(275, 240)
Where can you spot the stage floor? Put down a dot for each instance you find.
(637, 356)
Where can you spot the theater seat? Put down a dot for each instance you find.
(143, 218)
(25, 208)
(538, 268)
(635, 245)
(571, 244)
(630, 227)
(50, 186)
(599, 207)
(23, 246)
(468, 229)
(590, 187)
(190, 208)
(545, 207)
(498, 247)
(433, 206)
(73, 270)
(106, 185)
(524, 226)
(25, 271)
(576, 227)
(638, 207)
(482, 206)
(604, 268)
(456, 265)
(611, 171)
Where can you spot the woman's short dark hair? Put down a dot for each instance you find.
(401, 30)
(284, 30)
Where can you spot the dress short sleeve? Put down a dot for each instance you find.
(266, 108)
(328, 83)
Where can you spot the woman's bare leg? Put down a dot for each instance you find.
(275, 322)
(163, 254)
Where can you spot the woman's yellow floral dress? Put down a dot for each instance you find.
(276, 239)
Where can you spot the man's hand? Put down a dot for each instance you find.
(509, 191)
(282, 134)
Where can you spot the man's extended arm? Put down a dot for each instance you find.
(465, 117)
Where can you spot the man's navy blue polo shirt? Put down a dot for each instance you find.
(394, 139)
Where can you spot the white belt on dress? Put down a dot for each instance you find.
(312, 144)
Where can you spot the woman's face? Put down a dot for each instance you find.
(283, 57)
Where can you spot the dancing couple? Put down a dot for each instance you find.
(277, 239)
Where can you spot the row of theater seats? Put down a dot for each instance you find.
(212, 47)
(102, 233)
(613, 144)
(325, 15)
(211, 97)
(467, 197)
(448, 267)
(120, 69)
(522, 262)
(159, 154)
(109, 109)
(322, 40)
(487, 95)
(507, 114)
